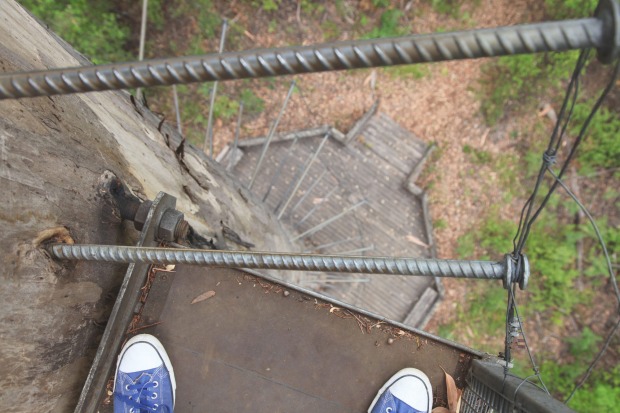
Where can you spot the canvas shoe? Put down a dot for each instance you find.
(144, 380)
(408, 391)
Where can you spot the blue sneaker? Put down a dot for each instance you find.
(408, 391)
(144, 380)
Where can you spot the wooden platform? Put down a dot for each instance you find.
(375, 165)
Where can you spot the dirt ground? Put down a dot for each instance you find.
(439, 107)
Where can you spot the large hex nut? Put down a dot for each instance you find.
(170, 221)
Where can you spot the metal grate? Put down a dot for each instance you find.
(489, 391)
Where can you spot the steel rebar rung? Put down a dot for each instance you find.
(529, 38)
(295, 262)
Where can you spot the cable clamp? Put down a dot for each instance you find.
(517, 269)
(550, 158)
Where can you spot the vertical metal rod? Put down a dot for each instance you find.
(303, 175)
(175, 96)
(289, 188)
(233, 152)
(272, 132)
(278, 171)
(356, 251)
(314, 208)
(209, 135)
(303, 198)
(328, 221)
(145, 6)
(333, 244)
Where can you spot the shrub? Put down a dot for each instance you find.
(90, 27)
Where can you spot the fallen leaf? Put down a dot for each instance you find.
(203, 296)
(483, 139)
(452, 391)
(440, 409)
(416, 240)
(170, 267)
(249, 35)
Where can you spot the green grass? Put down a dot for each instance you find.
(551, 251)
(517, 79)
(483, 310)
(252, 104)
(440, 224)
(599, 394)
(265, 5)
(408, 71)
(601, 148)
(194, 107)
(477, 156)
(451, 8)
(389, 25)
(331, 30)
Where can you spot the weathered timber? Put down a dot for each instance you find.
(54, 151)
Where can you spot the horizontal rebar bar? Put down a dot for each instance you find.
(282, 261)
(469, 44)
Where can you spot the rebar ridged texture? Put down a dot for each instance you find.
(281, 261)
(531, 38)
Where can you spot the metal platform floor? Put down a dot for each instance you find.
(254, 347)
